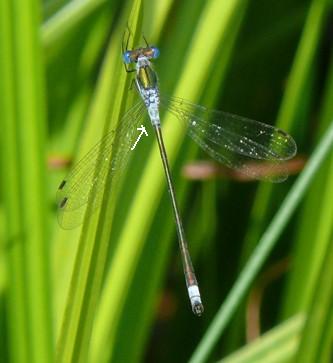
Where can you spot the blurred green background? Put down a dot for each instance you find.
(113, 290)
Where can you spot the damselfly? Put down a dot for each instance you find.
(230, 139)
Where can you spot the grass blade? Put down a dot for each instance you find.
(316, 340)
(66, 19)
(315, 226)
(276, 346)
(92, 252)
(24, 185)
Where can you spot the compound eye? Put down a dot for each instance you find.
(127, 57)
(156, 52)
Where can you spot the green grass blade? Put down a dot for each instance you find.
(68, 124)
(17, 311)
(292, 114)
(263, 249)
(315, 226)
(24, 185)
(92, 252)
(316, 340)
(66, 19)
(291, 106)
(299, 75)
(275, 346)
(301, 69)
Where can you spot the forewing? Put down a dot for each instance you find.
(104, 162)
(235, 140)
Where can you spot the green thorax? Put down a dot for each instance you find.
(146, 77)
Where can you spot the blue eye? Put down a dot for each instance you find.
(127, 57)
(156, 52)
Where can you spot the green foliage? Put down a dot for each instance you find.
(112, 290)
(277, 345)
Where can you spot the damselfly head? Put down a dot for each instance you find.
(132, 56)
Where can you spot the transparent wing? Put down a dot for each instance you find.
(86, 181)
(234, 140)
